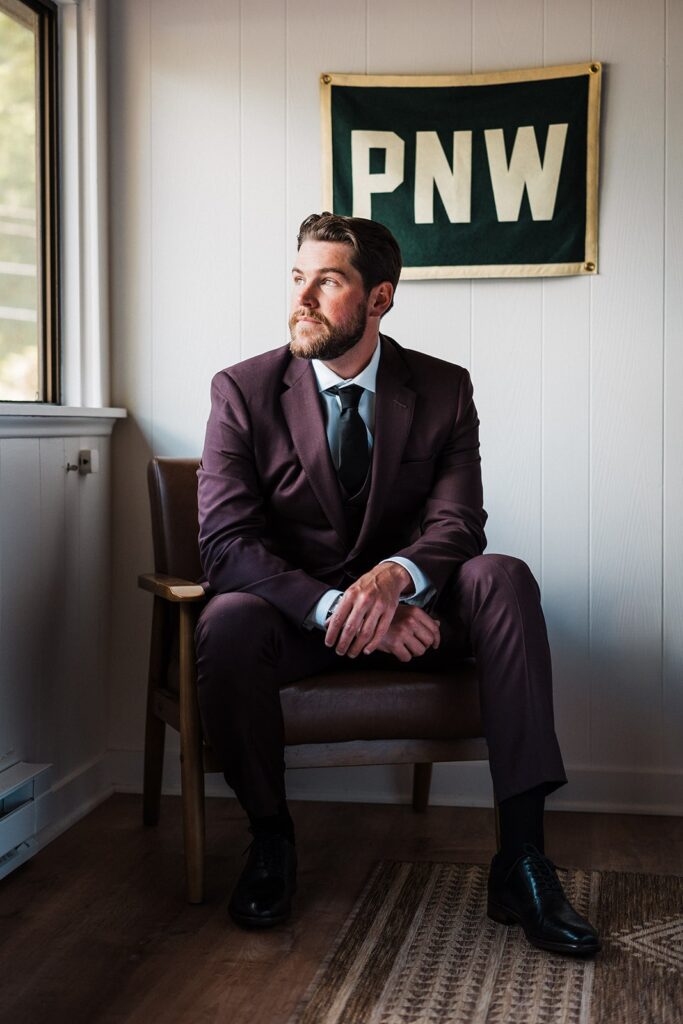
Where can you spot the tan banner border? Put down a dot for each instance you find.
(594, 72)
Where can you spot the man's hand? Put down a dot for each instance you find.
(366, 611)
(411, 633)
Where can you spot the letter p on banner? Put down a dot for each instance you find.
(365, 182)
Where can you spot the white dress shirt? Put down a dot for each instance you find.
(366, 379)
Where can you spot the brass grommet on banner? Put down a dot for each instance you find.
(589, 267)
(326, 79)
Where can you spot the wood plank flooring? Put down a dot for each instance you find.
(95, 929)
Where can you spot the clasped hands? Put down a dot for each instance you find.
(370, 618)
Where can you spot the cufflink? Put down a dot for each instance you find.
(331, 609)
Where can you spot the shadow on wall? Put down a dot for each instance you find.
(131, 609)
(626, 703)
(608, 689)
(132, 554)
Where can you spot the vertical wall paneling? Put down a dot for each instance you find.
(672, 704)
(565, 446)
(74, 700)
(436, 38)
(626, 392)
(88, 702)
(53, 566)
(19, 541)
(195, 197)
(320, 36)
(132, 272)
(266, 252)
(507, 321)
(130, 213)
(5, 735)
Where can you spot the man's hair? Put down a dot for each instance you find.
(375, 252)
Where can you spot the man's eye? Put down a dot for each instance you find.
(330, 280)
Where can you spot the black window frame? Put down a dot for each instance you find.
(48, 191)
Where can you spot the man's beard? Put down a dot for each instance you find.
(331, 343)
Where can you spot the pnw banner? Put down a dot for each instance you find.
(488, 175)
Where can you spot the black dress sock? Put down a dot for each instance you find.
(521, 823)
(279, 824)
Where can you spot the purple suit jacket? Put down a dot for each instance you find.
(271, 519)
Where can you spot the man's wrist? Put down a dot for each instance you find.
(422, 589)
(402, 577)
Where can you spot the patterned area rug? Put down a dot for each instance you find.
(419, 949)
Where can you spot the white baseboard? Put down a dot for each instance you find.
(465, 785)
(71, 798)
(54, 810)
(468, 784)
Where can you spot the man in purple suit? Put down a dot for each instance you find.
(341, 525)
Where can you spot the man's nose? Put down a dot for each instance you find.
(306, 295)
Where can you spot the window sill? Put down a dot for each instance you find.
(26, 419)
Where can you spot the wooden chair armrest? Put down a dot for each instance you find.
(171, 588)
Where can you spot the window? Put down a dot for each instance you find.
(29, 295)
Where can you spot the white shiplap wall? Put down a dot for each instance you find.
(214, 118)
(54, 614)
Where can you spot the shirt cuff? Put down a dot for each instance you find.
(318, 613)
(423, 588)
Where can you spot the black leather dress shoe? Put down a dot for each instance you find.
(263, 894)
(529, 894)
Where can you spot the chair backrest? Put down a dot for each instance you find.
(175, 528)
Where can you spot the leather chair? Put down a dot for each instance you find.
(341, 718)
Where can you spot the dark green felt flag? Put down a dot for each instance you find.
(477, 176)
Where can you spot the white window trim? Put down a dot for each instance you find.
(28, 419)
(84, 268)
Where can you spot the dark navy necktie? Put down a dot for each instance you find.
(354, 457)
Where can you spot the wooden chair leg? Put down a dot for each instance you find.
(422, 778)
(496, 813)
(155, 736)
(155, 728)
(192, 767)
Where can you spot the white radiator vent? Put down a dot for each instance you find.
(19, 786)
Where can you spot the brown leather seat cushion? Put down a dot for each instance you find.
(377, 705)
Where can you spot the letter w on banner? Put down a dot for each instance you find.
(488, 175)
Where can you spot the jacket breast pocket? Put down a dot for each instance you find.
(416, 459)
(415, 478)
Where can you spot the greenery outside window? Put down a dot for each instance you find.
(29, 248)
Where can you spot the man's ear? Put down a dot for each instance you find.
(380, 298)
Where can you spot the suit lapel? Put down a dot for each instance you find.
(301, 407)
(394, 407)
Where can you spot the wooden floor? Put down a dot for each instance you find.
(95, 928)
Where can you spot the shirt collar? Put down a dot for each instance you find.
(367, 378)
